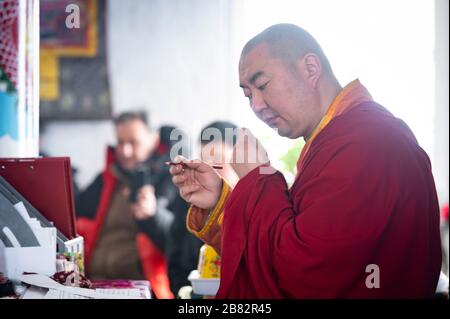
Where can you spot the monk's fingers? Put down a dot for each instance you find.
(179, 179)
(180, 168)
(176, 169)
(186, 177)
(180, 159)
(198, 166)
(190, 174)
(187, 190)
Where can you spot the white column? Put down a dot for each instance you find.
(19, 78)
(441, 133)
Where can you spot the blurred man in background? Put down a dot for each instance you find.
(125, 215)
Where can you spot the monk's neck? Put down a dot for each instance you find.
(327, 94)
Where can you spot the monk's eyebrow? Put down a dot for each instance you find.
(256, 76)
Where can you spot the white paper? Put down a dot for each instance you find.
(34, 292)
(46, 282)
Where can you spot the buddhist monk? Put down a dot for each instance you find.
(362, 217)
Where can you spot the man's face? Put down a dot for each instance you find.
(134, 144)
(279, 95)
(216, 153)
(220, 153)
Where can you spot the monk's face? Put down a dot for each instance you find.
(134, 143)
(279, 94)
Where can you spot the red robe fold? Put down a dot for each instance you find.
(364, 195)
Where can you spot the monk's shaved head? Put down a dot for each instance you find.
(288, 43)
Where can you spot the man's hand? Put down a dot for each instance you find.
(198, 182)
(146, 204)
(248, 153)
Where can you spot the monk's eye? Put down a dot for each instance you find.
(262, 87)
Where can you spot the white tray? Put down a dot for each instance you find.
(203, 286)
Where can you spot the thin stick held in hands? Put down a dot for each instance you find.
(184, 164)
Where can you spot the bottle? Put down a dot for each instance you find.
(209, 263)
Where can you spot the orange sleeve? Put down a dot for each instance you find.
(208, 225)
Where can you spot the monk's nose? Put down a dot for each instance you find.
(258, 104)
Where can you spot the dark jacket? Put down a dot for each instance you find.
(182, 250)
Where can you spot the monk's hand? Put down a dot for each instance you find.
(248, 153)
(146, 204)
(198, 182)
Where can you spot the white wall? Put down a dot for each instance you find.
(441, 128)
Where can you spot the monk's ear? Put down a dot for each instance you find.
(312, 68)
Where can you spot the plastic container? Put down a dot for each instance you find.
(203, 286)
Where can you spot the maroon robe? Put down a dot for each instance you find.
(364, 195)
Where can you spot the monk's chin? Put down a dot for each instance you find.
(288, 134)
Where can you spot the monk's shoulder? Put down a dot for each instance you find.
(371, 127)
